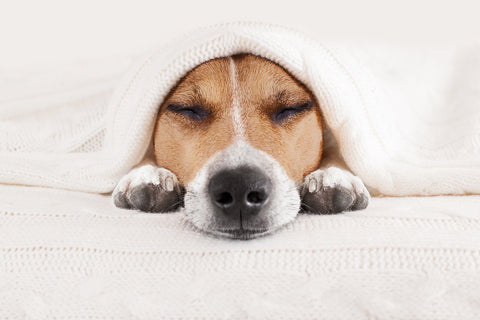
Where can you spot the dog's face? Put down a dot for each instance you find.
(240, 133)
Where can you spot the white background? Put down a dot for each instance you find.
(53, 31)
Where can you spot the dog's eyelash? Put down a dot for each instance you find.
(196, 113)
(287, 112)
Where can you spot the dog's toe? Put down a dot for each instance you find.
(341, 199)
(167, 201)
(361, 202)
(142, 196)
(120, 200)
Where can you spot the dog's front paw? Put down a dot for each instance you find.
(333, 190)
(149, 188)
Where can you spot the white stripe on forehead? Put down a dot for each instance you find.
(238, 125)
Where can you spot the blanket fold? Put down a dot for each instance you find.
(407, 123)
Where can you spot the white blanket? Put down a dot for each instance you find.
(72, 255)
(408, 123)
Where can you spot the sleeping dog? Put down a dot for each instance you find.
(240, 143)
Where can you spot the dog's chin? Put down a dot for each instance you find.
(240, 234)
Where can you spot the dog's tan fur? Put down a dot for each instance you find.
(262, 87)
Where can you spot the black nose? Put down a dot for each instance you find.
(242, 191)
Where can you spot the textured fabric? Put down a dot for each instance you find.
(72, 255)
(408, 123)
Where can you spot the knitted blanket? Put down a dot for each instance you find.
(72, 255)
(406, 123)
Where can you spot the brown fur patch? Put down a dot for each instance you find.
(183, 145)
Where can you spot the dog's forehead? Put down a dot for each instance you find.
(259, 81)
(263, 81)
(207, 84)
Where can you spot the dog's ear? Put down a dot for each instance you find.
(149, 154)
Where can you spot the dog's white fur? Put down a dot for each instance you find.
(238, 123)
(333, 177)
(148, 173)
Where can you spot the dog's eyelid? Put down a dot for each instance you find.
(193, 112)
(302, 106)
(286, 112)
(176, 107)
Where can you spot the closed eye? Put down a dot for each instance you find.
(287, 112)
(195, 113)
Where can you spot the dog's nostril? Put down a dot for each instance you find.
(256, 197)
(224, 199)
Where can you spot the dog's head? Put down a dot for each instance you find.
(240, 133)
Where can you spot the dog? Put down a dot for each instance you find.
(240, 143)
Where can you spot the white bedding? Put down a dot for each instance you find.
(406, 123)
(72, 255)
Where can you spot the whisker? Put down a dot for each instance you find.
(174, 206)
(311, 210)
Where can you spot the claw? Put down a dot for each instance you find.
(312, 186)
(169, 184)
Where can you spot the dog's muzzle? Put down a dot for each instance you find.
(241, 192)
